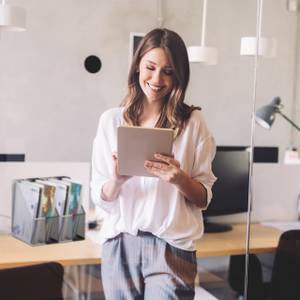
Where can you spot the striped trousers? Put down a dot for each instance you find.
(146, 267)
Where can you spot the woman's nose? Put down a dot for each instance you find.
(157, 77)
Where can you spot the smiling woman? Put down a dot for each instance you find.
(49, 103)
(154, 71)
(144, 214)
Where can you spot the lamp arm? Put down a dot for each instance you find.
(289, 120)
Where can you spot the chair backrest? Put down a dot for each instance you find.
(285, 282)
(34, 282)
(236, 276)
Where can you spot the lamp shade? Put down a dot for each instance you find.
(12, 18)
(203, 54)
(267, 46)
(265, 115)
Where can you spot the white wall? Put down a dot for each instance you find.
(275, 76)
(50, 105)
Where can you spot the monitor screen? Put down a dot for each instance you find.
(12, 157)
(261, 154)
(264, 154)
(230, 191)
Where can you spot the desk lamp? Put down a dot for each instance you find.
(265, 115)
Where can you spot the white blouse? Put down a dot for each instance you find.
(149, 203)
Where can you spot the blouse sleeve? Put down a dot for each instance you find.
(102, 164)
(202, 168)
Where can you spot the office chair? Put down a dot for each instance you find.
(285, 280)
(285, 283)
(34, 282)
(236, 276)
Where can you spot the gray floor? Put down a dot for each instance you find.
(221, 290)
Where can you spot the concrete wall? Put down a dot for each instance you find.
(276, 76)
(49, 104)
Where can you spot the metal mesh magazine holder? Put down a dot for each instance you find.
(47, 210)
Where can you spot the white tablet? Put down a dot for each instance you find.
(137, 144)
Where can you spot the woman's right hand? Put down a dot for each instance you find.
(112, 187)
(116, 176)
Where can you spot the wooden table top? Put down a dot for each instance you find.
(15, 253)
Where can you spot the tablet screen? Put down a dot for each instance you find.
(137, 144)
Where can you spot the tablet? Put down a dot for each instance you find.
(137, 144)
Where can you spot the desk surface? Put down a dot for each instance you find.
(263, 239)
(15, 253)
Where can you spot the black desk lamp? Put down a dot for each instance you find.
(265, 115)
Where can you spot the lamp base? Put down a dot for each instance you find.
(203, 54)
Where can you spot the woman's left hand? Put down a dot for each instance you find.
(167, 168)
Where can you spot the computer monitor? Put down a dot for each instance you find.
(230, 191)
(12, 157)
(261, 154)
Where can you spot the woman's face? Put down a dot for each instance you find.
(155, 75)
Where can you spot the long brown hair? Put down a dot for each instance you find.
(175, 113)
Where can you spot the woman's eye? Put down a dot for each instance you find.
(150, 68)
(168, 72)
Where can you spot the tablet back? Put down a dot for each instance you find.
(137, 144)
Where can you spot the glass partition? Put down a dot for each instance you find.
(71, 65)
(276, 176)
(225, 92)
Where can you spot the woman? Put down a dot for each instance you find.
(151, 223)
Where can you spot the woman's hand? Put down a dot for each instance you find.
(167, 168)
(116, 176)
(112, 187)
